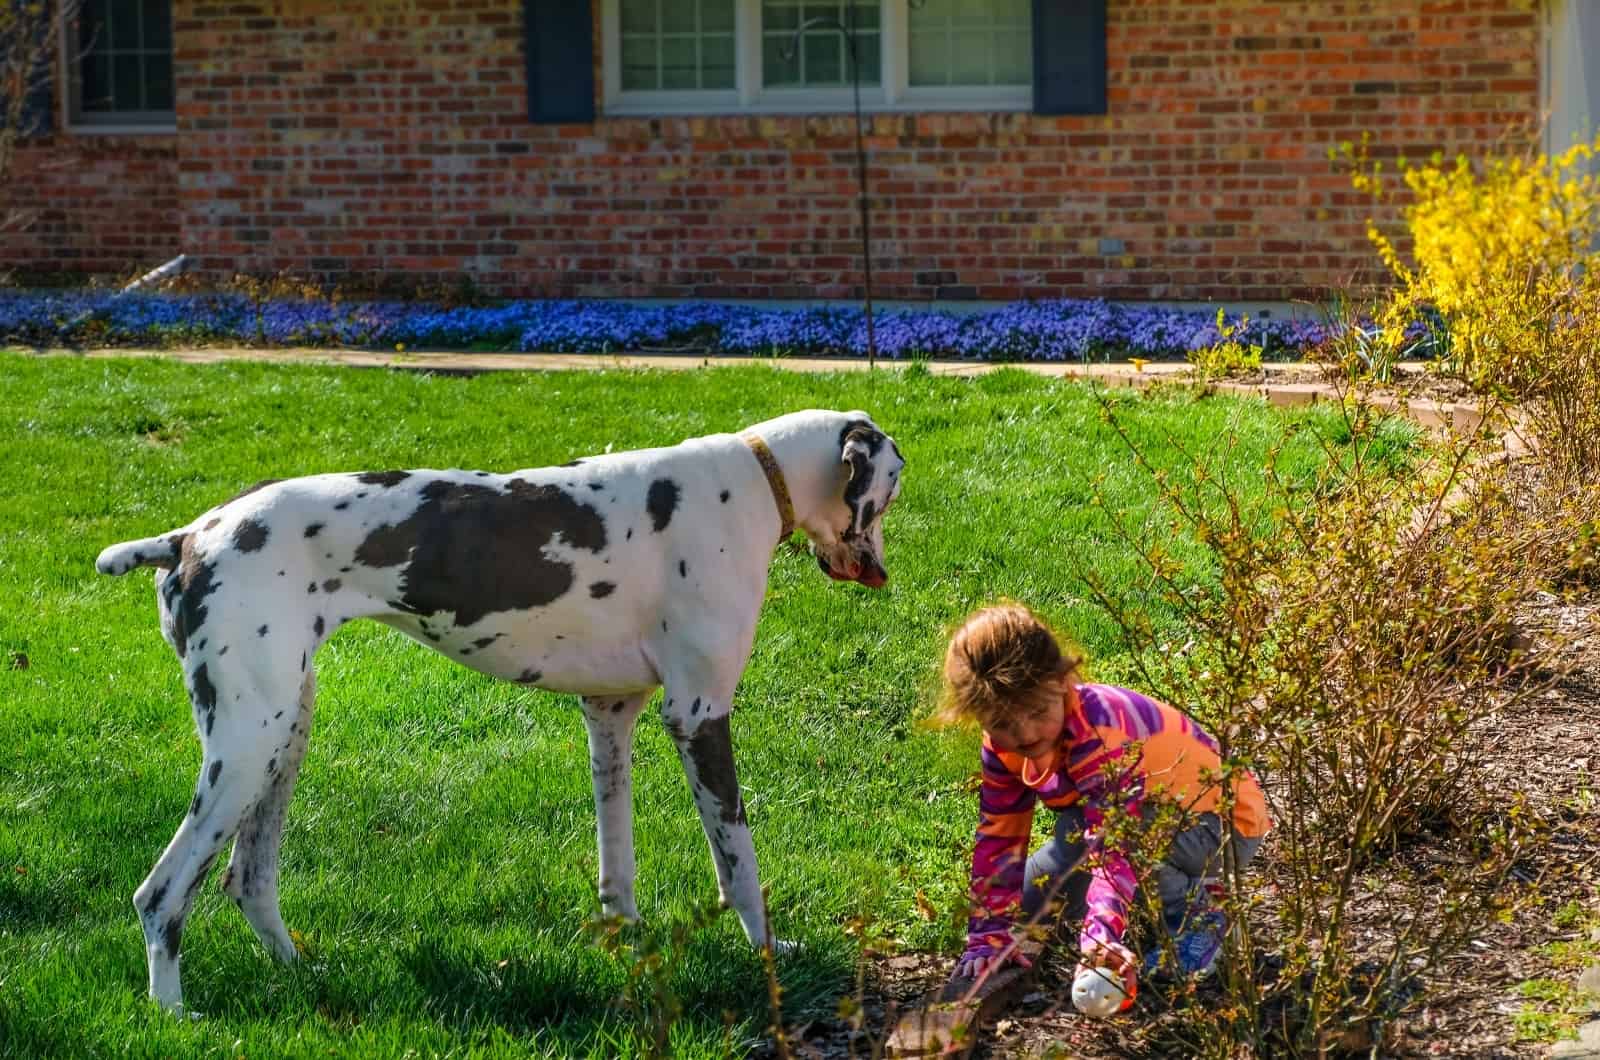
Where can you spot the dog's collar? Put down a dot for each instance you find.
(774, 473)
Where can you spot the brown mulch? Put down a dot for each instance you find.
(1466, 1004)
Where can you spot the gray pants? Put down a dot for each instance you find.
(1195, 856)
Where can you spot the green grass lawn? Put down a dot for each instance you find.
(439, 858)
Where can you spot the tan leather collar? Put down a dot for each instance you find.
(774, 473)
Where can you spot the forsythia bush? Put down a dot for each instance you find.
(1503, 258)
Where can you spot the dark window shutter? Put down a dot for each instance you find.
(1069, 56)
(37, 112)
(560, 54)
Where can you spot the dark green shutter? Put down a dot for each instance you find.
(560, 56)
(1069, 56)
(37, 112)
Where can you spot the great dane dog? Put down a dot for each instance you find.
(607, 577)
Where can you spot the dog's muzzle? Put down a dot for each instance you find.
(868, 572)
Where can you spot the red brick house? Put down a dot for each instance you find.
(1130, 149)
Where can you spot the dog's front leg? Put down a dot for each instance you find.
(699, 726)
(610, 722)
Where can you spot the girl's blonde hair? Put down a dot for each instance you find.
(1003, 661)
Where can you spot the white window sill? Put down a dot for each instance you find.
(122, 130)
(777, 102)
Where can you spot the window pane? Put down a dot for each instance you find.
(716, 16)
(678, 16)
(869, 53)
(717, 62)
(678, 66)
(639, 63)
(775, 69)
(158, 82)
(127, 82)
(639, 16)
(122, 30)
(96, 82)
(988, 42)
(822, 62)
(158, 25)
(930, 58)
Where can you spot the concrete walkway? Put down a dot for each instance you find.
(1283, 385)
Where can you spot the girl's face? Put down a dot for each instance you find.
(1035, 735)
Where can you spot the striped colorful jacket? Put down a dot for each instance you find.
(1116, 746)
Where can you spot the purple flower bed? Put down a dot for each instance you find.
(1033, 331)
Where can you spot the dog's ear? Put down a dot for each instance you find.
(859, 448)
(861, 444)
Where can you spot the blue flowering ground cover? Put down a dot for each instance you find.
(1024, 331)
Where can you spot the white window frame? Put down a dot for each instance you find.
(895, 94)
(70, 83)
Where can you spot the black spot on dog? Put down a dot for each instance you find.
(694, 708)
(601, 590)
(725, 496)
(213, 773)
(661, 501)
(432, 636)
(317, 626)
(630, 534)
(302, 662)
(483, 642)
(683, 568)
(711, 750)
(616, 708)
(223, 652)
(171, 935)
(155, 899)
(573, 463)
(597, 486)
(194, 807)
(263, 484)
(211, 524)
(361, 496)
(186, 593)
(205, 693)
(663, 625)
(474, 550)
(860, 472)
(311, 588)
(528, 677)
(216, 836)
(272, 764)
(331, 585)
(262, 632)
(341, 506)
(314, 529)
(384, 478)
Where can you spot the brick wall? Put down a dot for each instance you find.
(95, 205)
(383, 137)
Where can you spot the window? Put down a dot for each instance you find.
(776, 56)
(122, 66)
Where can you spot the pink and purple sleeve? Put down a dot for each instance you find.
(999, 856)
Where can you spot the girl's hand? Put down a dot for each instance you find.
(980, 965)
(1115, 958)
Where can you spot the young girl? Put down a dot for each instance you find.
(1079, 749)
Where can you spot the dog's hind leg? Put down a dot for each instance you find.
(230, 706)
(251, 879)
(699, 726)
(610, 721)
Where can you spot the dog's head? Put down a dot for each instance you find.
(849, 542)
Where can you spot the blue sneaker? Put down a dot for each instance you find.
(1200, 942)
(1196, 934)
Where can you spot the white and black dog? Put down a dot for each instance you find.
(607, 577)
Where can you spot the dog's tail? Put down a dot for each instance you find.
(159, 551)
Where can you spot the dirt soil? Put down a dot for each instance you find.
(1466, 1004)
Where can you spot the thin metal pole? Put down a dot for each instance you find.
(849, 34)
